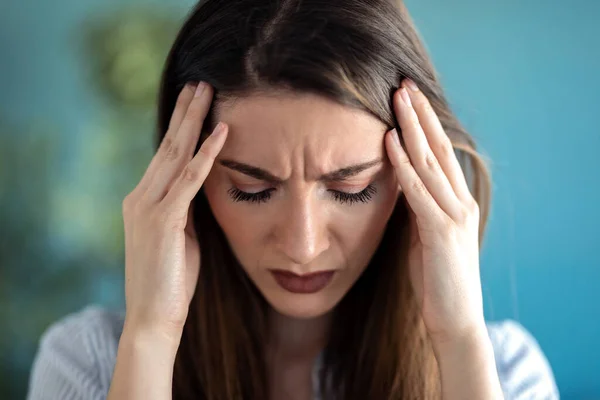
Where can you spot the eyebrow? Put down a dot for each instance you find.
(334, 176)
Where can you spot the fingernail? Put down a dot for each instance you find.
(411, 84)
(200, 89)
(395, 136)
(219, 129)
(405, 97)
(192, 86)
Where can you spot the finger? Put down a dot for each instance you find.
(183, 100)
(422, 157)
(439, 141)
(192, 177)
(417, 196)
(178, 152)
(194, 118)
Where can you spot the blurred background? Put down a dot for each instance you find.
(78, 80)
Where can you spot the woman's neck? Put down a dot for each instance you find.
(295, 339)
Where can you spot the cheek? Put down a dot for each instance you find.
(237, 224)
(359, 230)
(371, 217)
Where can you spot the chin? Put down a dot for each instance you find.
(302, 306)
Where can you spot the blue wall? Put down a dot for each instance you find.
(522, 76)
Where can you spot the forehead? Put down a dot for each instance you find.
(278, 131)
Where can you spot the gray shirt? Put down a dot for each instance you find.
(77, 355)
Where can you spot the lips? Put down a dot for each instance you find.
(309, 283)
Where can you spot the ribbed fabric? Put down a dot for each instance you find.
(77, 354)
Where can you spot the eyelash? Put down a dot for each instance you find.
(363, 196)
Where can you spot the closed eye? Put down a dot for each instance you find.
(364, 196)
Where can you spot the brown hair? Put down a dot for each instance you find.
(355, 52)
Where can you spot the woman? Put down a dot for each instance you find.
(321, 241)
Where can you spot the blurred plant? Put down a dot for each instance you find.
(127, 51)
(36, 285)
(61, 238)
(123, 54)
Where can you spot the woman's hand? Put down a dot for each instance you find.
(162, 255)
(444, 253)
(444, 221)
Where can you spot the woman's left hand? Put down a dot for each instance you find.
(444, 221)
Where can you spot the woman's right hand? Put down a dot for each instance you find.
(162, 255)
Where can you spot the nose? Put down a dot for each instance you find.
(302, 235)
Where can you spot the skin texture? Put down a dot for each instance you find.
(444, 253)
(302, 228)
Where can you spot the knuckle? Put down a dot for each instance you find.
(165, 142)
(473, 207)
(468, 212)
(189, 174)
(206, 151)
(419, 187)
(132, 211)
(431, 161)
(445, 148)
(129, 203)
(138, 210)
(176, 224)
(464, 215)
(427, 107)
(447, 227)
(171, 150)
(403, 160)
(168, 219)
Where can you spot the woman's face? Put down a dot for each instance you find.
(292, 218)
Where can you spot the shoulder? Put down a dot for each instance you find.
(523, 369)
(76, 356)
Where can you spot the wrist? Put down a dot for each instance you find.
(474, 345)
(469, 338)
(144, 365)
(142, 338)
(149, 326)
(467, 366)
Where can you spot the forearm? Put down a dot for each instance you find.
(468, 368)
(144, 367)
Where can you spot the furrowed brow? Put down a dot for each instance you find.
(264, 175)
